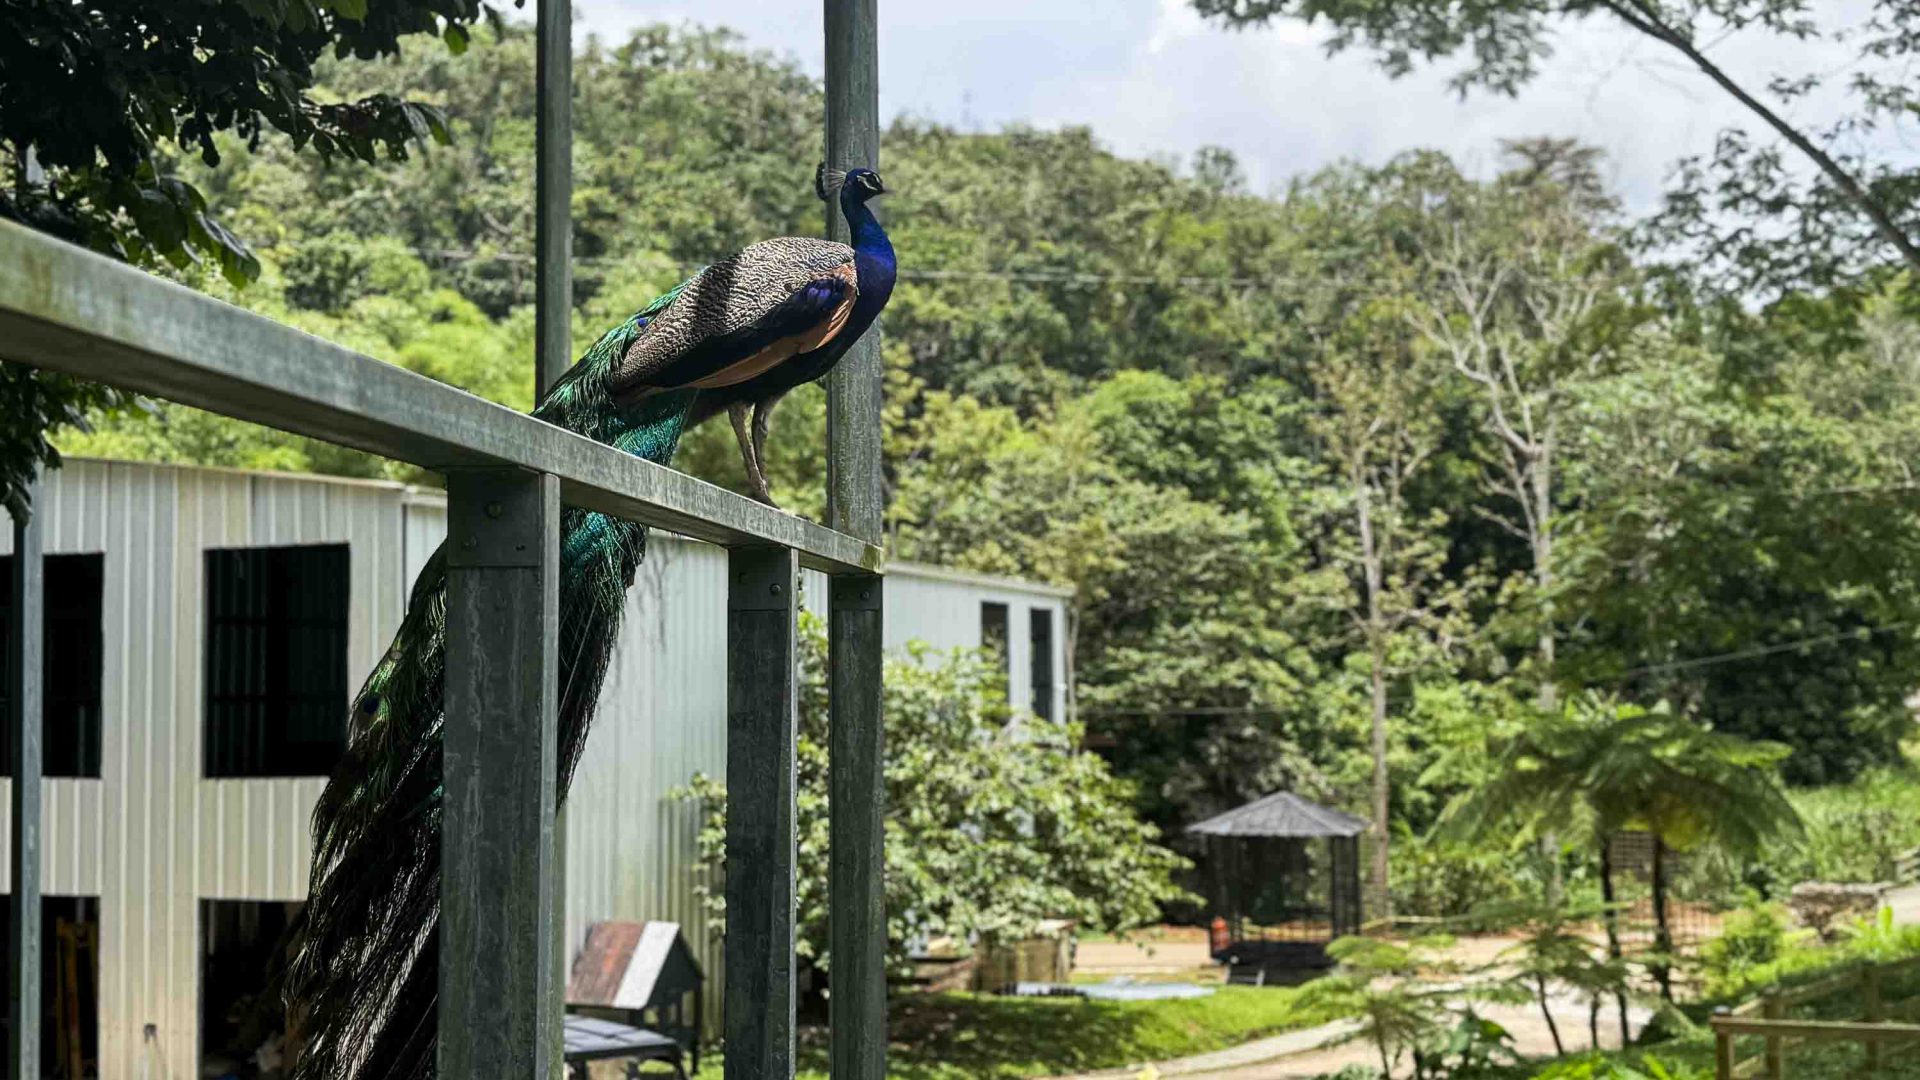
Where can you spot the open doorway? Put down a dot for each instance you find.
(242, 1023)
(69, 985)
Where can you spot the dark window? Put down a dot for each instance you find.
(70, 663)
(69, 984)
(995, 638)
(240, 1014)
(1040, 633)
(276, 670)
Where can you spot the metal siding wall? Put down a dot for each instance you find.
(152, 838)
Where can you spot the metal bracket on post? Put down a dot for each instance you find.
(496, 889)
(24, 731)
(763, 726)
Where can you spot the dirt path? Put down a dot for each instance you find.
(1529, 1029)
(1905, 902)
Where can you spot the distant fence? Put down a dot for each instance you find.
(1765, 1019)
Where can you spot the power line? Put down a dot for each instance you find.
(1062, 277)
(1689, 664)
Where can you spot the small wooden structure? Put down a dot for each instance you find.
(1276, 906)
(644, 973)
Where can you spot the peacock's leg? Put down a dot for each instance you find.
(762, 423)
(738, 413)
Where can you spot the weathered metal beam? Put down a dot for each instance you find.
(24, 697)
(856, 506)
(66, 309)
(763, 725)
(496, 895)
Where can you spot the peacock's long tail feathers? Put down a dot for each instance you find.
(361, 976)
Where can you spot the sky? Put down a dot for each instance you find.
(1152, 79)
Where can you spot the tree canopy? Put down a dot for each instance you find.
(1148, 383)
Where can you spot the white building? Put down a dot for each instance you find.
(185, 749)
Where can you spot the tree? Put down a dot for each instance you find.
(1169, 506)
(1379, 429)
(1551, 950)
(1509, 40)
(994, 821)
(1611, 767)
(1380, 983)
(1749, 538)
(1523, 300)
(158, 72)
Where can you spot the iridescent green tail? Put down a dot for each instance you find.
(361, 981)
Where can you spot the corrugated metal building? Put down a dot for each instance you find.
(172, 798)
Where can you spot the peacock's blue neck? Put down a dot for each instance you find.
(872, 257)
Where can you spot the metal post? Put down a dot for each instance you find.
(503, 600)
(24, 692)
(553, 193)
(854, 387)
(763, 724)
(855, 505)
(553, 351)
(857, 807)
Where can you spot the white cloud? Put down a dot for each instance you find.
(1152, 78)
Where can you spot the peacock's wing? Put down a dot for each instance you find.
(741, 317)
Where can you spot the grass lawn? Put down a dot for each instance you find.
(956, 1036)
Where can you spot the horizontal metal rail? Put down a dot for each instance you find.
(67, 309)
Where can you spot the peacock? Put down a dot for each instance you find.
(361, 974)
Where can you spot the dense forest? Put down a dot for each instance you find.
(1374, 468)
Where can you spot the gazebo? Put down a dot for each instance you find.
(1276, 903)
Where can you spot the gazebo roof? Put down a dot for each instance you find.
(1281, 814)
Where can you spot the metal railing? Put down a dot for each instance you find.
(66, 309)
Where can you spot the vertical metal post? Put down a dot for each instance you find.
(496, 896)
(854, 386)
(553, 193)
(855, 505)
(763, 724)
(553, 349)
(24, 695)
(856, 836)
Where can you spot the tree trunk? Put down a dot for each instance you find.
(1593, 1022)
(1549, 694)
(1662, 936)
(1382, 791)
(1546, 1010)
(1613, 925)
(1374, 573)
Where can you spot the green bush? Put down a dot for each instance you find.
(995, 820)
(1599, 1067)
(1448, 879)
(1751, 939)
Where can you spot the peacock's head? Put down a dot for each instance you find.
(861, 184)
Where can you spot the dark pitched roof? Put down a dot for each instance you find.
(1281, 814)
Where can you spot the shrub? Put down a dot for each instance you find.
(1750, 939)
(995, 821)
